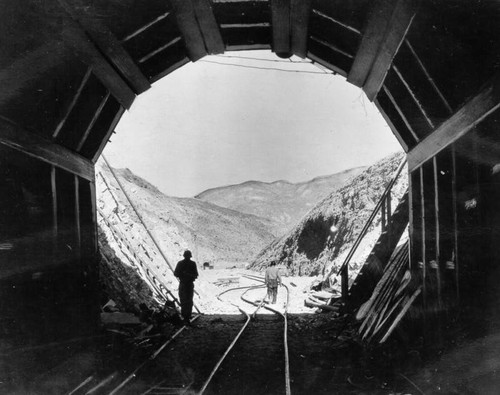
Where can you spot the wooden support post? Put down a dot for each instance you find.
(389, 215)
(382, 212)
(437, 237)
(53, 187)
(455, 221)
(93, 197)
(77, 219)
(209, 27)
(471, 114)
(300, 13)
(422, 218)
(38, 147)
(373, 35)
(399, 24)
(411, 227)
(280, 17)
(344, 279)
(190, 30)
(108, 44)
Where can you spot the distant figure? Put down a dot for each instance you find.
(186, 272)
(273, 279)
(206, 265)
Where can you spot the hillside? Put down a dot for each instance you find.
(308, 249)
(214, 234)
(283, 202)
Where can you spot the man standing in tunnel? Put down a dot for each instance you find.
(186, 272)
(273, 279)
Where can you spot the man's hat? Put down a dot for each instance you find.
(187, 254)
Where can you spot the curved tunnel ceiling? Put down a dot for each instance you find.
(70, 68)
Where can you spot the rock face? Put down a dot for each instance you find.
(282, 202)
(213, 233)
(310, 248)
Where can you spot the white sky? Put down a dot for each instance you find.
(207, 125)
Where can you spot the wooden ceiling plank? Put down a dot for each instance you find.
(300, 15)
(110, 131)
(92, 122)
(428, 76)
(73, 102)
(332, 47)
(463, 120)
(14, 136)
(337, 22)
(145, 27)
(109, 45)
(401, 114)
(189, 28)
(373, 35)
(280, 20)
(87, 51)
(391, 125)
(326, 64)
(395, 34)
(209, 27)
(158, 50)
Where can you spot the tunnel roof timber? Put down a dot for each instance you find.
(70, 68)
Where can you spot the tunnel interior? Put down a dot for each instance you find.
(71, 68)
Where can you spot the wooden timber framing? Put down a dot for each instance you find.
(463, 120)
(373, 36)
(208, 26)
(110, 131)
(108, 44)
(395, 132)
(77, 219)
(300, 12)
(399, 24)
(280, 21)
(74, 35)
(189, 28)
(387, 26)
(92, 122)
(73, 102)
(437, 229)
(38, 147)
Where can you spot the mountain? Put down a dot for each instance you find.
(213, 233)
(282, 202)
(309, 249)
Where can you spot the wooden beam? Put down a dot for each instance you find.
(399, 24)
(391, 125)
(280, 20)
(92, 122)
(208, 26)
(102, 69)
(373, 35)
(108, 44)
(13, 136)
(111, 129)
(189, 28)
(472, 113)
(300, 13)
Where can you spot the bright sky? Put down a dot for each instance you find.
(209, 124)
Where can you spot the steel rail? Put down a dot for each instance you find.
(153, 356)
(219, 362)
(285, 334)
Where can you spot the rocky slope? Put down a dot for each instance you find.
(283, 202)
(213, 233)
(309, 249)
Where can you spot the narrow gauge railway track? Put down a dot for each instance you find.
(233, 354)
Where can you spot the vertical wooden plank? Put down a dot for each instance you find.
(300, 12)
(53, 186)
(411, 222)
(92, 122)
(437, 241)
(77, 219)
(455, 220)
(280, 17)
(422, 218)
(93, 202)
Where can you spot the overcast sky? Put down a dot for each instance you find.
(209, 124)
